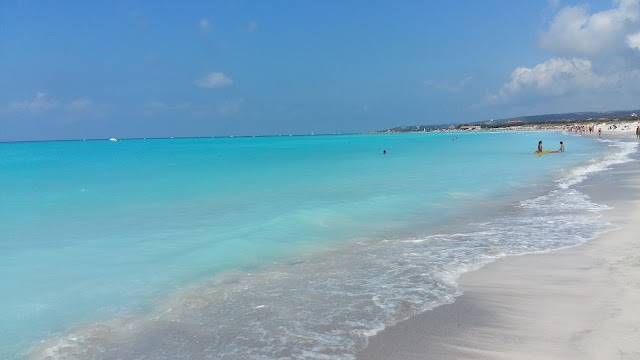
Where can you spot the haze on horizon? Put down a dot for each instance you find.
(75, 69)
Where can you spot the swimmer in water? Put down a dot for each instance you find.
(561, 148)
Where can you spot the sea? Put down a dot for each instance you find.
(282, 247)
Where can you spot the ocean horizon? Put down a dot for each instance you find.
(189, 137)
(261, 247)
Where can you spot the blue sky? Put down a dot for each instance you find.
(98, 69)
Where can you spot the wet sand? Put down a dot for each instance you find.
(577, 303)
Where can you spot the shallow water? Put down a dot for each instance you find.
(279, 247)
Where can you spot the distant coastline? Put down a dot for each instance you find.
(523, 123)
(532, 122)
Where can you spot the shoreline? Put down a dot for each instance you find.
(572, 303)
(619, 129)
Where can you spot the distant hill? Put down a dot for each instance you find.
(568, 117)
(620, 115)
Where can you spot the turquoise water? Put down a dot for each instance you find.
(267, 247)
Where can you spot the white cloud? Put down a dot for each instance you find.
(155, 105)
(633, 41)
(574, 31)
(161, 105)
(205, 26)
(214, 80)
(39, 103)
(448, 86)
(231, 107)
(252, 26)
(557, 76)
(80, 104)
(590, 57)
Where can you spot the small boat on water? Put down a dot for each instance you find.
(113, 139)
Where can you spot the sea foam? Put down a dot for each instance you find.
(268, 248)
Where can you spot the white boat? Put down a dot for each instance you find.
(113, 139)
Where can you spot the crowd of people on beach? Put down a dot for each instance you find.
(590, 129)
(582, 129)
(604, 127)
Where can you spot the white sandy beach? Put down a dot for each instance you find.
(617, 129)
(612, 128)
(576, 303)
